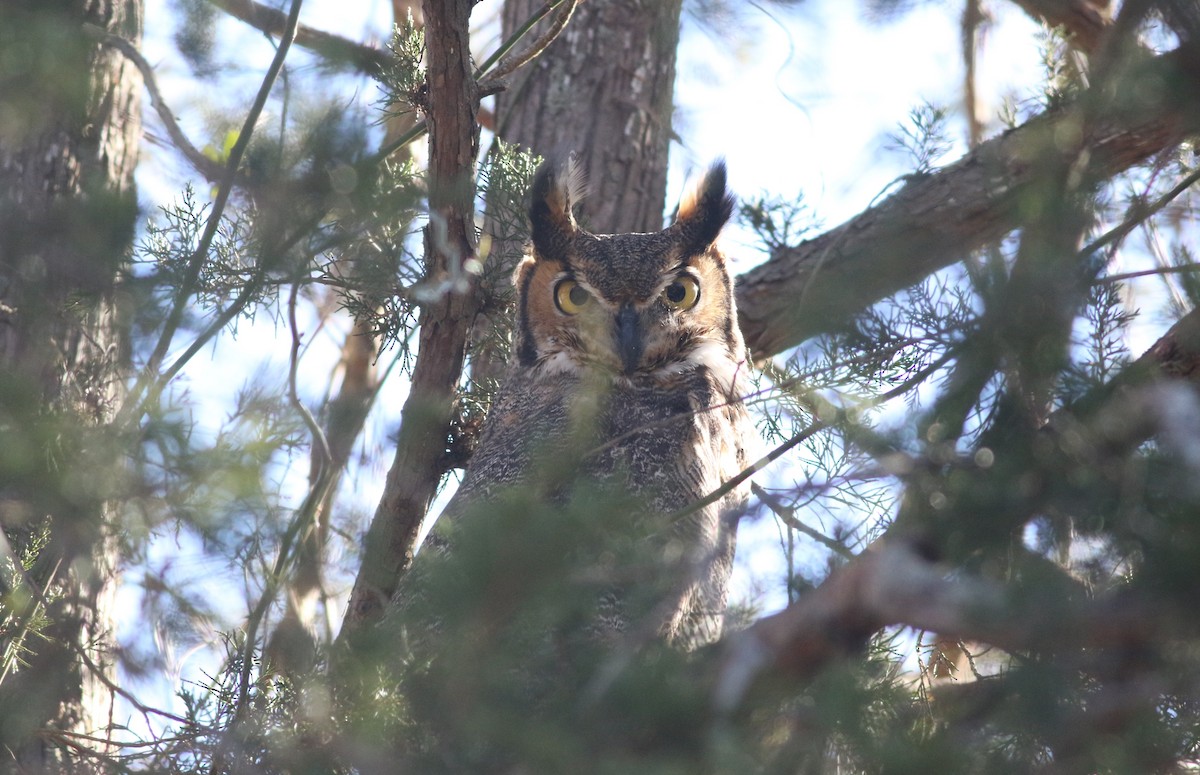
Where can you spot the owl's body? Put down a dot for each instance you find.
(630, 365)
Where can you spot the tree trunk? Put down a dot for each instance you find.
(69, 131)
(603, 89)
(445, 321)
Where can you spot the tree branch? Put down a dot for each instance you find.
(195, 263)
(510, 63)
(1085, 21)
(935, 220)
(445, 319)
(889, 584)
(333, 48)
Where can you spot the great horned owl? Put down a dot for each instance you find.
(628, 356)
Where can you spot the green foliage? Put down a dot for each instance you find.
(913, 420)
(371, 265)
(166, 252)
(1102, 353)
(925, 137)
(404, 82)
(778, 222)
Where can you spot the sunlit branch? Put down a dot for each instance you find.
(937, 219)
(891, 585)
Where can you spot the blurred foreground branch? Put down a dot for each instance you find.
(892, 583)
(1085, 21)
(333, 48)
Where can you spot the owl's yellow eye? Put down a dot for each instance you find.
(570, 297)
(682, 294)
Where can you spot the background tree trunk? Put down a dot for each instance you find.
(68, 146)
(602, 89)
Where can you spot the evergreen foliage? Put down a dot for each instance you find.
(992, 426)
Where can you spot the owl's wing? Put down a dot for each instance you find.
(529, 417)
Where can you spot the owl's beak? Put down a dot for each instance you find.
(629, 338)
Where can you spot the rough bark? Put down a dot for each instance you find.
(69, 132)
(603, 89)
(445, 320)
(936, 220)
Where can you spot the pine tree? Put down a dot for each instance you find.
(986, 529)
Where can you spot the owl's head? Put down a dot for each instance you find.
(632, 305)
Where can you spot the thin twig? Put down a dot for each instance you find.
(1137, 217)
(129, 697)
(200, 255)
(788, 515)
(494, 82)
(509, 64)
(1191, 266)
(41, 601)
(319, 440)
(813, 428)
(302, 521)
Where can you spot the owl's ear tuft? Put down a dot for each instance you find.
(557, 187)
(704, 210)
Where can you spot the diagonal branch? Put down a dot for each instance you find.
(508, 64)
(211, 170)
(935, 220)
(150, 376)
(334, 48)
(1085, 21)
(889, 584)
